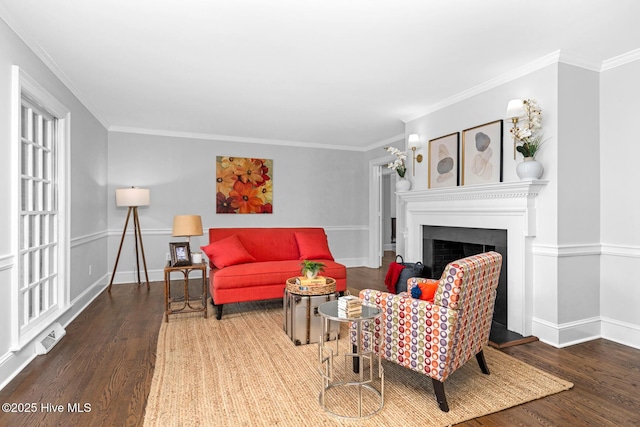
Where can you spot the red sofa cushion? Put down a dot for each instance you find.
(267, 244)
(226, 252)
(268, 273)
(313, 246)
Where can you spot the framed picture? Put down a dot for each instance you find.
(180, 253)
(244, 185)
(443, 161)
(482, 154)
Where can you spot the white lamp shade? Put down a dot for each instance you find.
(187, 225)
(515, 109)
(414, 141)
(132, 196)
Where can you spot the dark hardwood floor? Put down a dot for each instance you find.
(107, 358)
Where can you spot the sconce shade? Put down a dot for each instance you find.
(132, 196)
(515, 109)
(187, 225)
(413, 141)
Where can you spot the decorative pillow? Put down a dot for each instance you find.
(425, 289)
(226, 252)
(428, 288)
(313, 246)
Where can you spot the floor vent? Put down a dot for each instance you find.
(46, 341)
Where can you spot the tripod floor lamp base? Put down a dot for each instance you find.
(132, 197)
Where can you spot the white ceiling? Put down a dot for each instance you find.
(342, 73)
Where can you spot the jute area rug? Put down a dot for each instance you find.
(244, 371)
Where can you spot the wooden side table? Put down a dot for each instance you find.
(186, 299)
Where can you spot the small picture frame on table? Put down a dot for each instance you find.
(180, 253)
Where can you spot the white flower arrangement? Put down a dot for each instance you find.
(526, 136)
(398, 164)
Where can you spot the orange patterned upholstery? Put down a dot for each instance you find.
(437, 338)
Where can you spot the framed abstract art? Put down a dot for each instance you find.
(443, 161)
(244, 185)
(482, 154)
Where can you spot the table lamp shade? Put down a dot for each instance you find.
(187, 225)
(132, 196)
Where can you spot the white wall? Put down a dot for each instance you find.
(88, 214)
(620, 204)
(312, 187)
(578, 248)
(571, 296)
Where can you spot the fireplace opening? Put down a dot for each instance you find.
(443, 245)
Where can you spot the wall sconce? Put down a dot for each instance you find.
(414, 143)
(515, 111)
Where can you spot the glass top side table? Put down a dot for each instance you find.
(342, 380)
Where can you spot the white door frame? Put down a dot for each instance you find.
(375, 209)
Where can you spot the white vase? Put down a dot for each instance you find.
(529, 169)
(403, 184)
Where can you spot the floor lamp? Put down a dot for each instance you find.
(132, 198)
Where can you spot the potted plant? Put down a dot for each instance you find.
(311, 268)
(399, 166)
(529, 141)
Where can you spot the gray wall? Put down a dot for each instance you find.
(311, 187)
(620, 203)
(88, 194)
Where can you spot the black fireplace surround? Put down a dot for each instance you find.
(443, 245)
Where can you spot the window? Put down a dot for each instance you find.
(38, 247)
(40, 289)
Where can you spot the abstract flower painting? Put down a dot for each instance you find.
(244, 185)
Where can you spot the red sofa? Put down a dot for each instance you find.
(250, 264)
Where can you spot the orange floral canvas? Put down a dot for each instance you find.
(244, 185)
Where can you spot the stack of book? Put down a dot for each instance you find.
(318, 280)
(349, 306)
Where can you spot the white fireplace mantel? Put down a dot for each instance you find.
(508, 190)
(505, 206)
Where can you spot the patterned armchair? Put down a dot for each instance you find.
(437, 338)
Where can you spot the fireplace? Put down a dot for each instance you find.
(507, 206)
(441, 245)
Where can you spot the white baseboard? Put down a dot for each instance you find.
(621, 332)
(353, 262)
(571, 333)
(12, 363)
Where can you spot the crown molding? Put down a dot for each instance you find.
(516, 73)
(384, 142)
(555, 57)
(569, 58)
(230, 138)
(620, 60)
(42, 54)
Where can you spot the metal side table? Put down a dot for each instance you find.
(333, 379)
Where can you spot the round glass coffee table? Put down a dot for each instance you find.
(339, 385)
